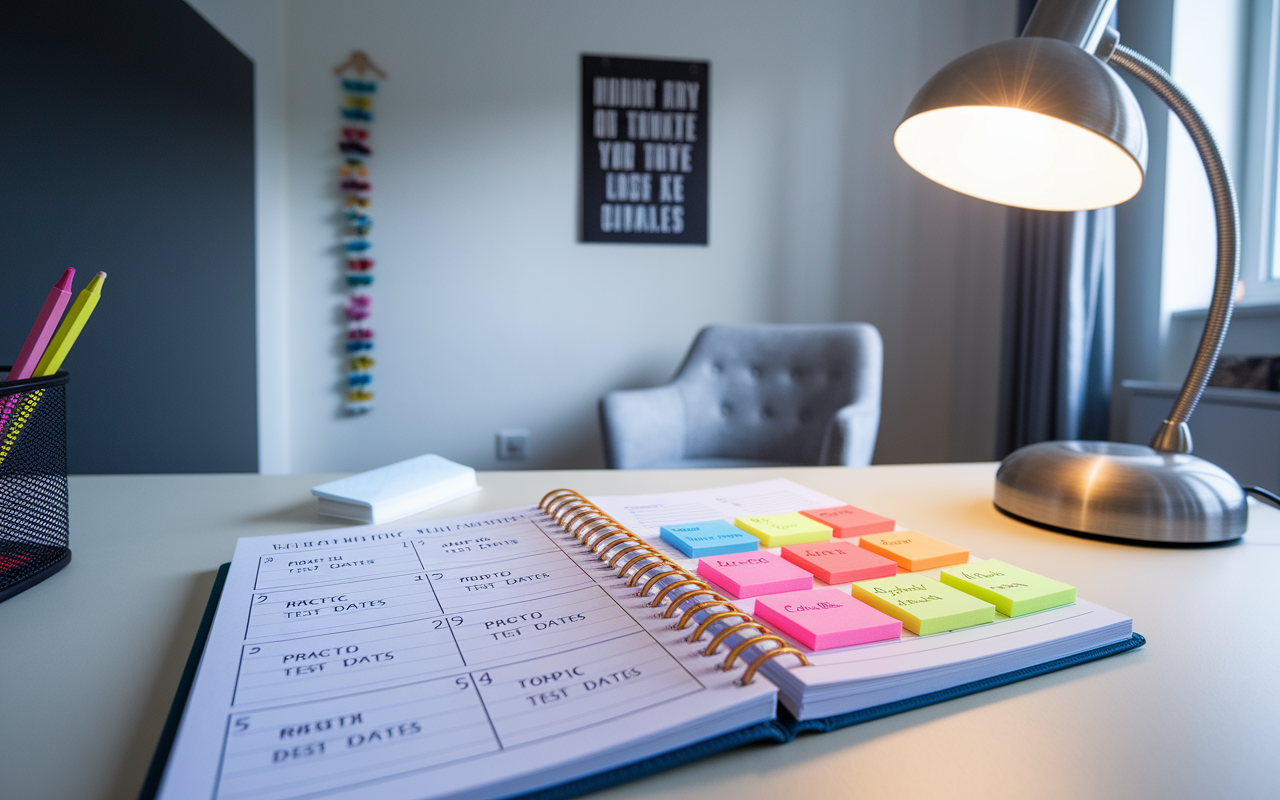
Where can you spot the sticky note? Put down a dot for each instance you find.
(924, 605)
(754, 574)
(839, 562)
(780, 529)
(1011, 590)
(849, 521)
(715, 538)
(826, 618)
(914, 551)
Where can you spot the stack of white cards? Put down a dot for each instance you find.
(396, 490)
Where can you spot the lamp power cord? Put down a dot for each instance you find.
(1268, 497)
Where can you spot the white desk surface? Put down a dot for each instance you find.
(90, 659)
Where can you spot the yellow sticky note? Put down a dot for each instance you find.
(782, 529)
(1011, 590)
(925, 606)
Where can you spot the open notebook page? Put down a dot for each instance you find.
(481, 656)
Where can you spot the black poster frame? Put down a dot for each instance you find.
(648, 183)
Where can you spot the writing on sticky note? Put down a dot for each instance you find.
(849, 521)
(914, 551)
(924, 605)
(839, 562)
(826, 618)
(714, 538)
(1011, 590)
(754, 574)
(777, 530)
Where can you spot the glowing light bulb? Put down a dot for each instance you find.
(1018, 158)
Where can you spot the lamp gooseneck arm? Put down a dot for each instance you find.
(1173, 435)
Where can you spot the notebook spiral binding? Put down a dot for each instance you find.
(610, 539)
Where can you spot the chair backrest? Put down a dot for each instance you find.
(768, 392)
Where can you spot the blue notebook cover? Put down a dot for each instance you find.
(782, 730)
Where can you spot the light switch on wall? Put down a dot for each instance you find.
(513, 445)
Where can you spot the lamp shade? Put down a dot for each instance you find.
(1030, 122)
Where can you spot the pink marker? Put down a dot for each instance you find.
(33, 348)
(43, 330)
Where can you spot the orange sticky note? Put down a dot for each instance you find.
(914, 551)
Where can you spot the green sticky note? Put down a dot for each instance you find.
(924, 605)
(783, 529)
(1011, 590)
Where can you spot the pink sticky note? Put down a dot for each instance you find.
(754, 574)
(826, 618)
(849, 521)
(839, 562)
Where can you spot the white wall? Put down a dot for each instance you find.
(921, 262)
(488, 312)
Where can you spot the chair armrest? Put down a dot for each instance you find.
(851, 434)
(642, 427)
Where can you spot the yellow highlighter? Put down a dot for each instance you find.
(71, 326)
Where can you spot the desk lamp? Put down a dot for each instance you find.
(1043, 122)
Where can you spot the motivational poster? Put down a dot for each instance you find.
(645, 145)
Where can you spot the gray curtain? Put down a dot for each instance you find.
(1059, 299)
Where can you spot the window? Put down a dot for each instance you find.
(1259, 198)
(1210, 62)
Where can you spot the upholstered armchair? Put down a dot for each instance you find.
(755, 395)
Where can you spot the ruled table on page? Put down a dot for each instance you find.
(352, 657)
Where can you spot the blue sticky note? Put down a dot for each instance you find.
(715, 538)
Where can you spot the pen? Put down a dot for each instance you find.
(33, 348)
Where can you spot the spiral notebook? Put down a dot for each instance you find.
(545, 651)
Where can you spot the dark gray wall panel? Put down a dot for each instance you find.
(129, 148)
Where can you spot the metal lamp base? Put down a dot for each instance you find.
(1123, 491)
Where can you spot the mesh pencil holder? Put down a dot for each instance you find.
(33, 481)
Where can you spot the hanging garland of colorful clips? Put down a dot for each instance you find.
(353, 175)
